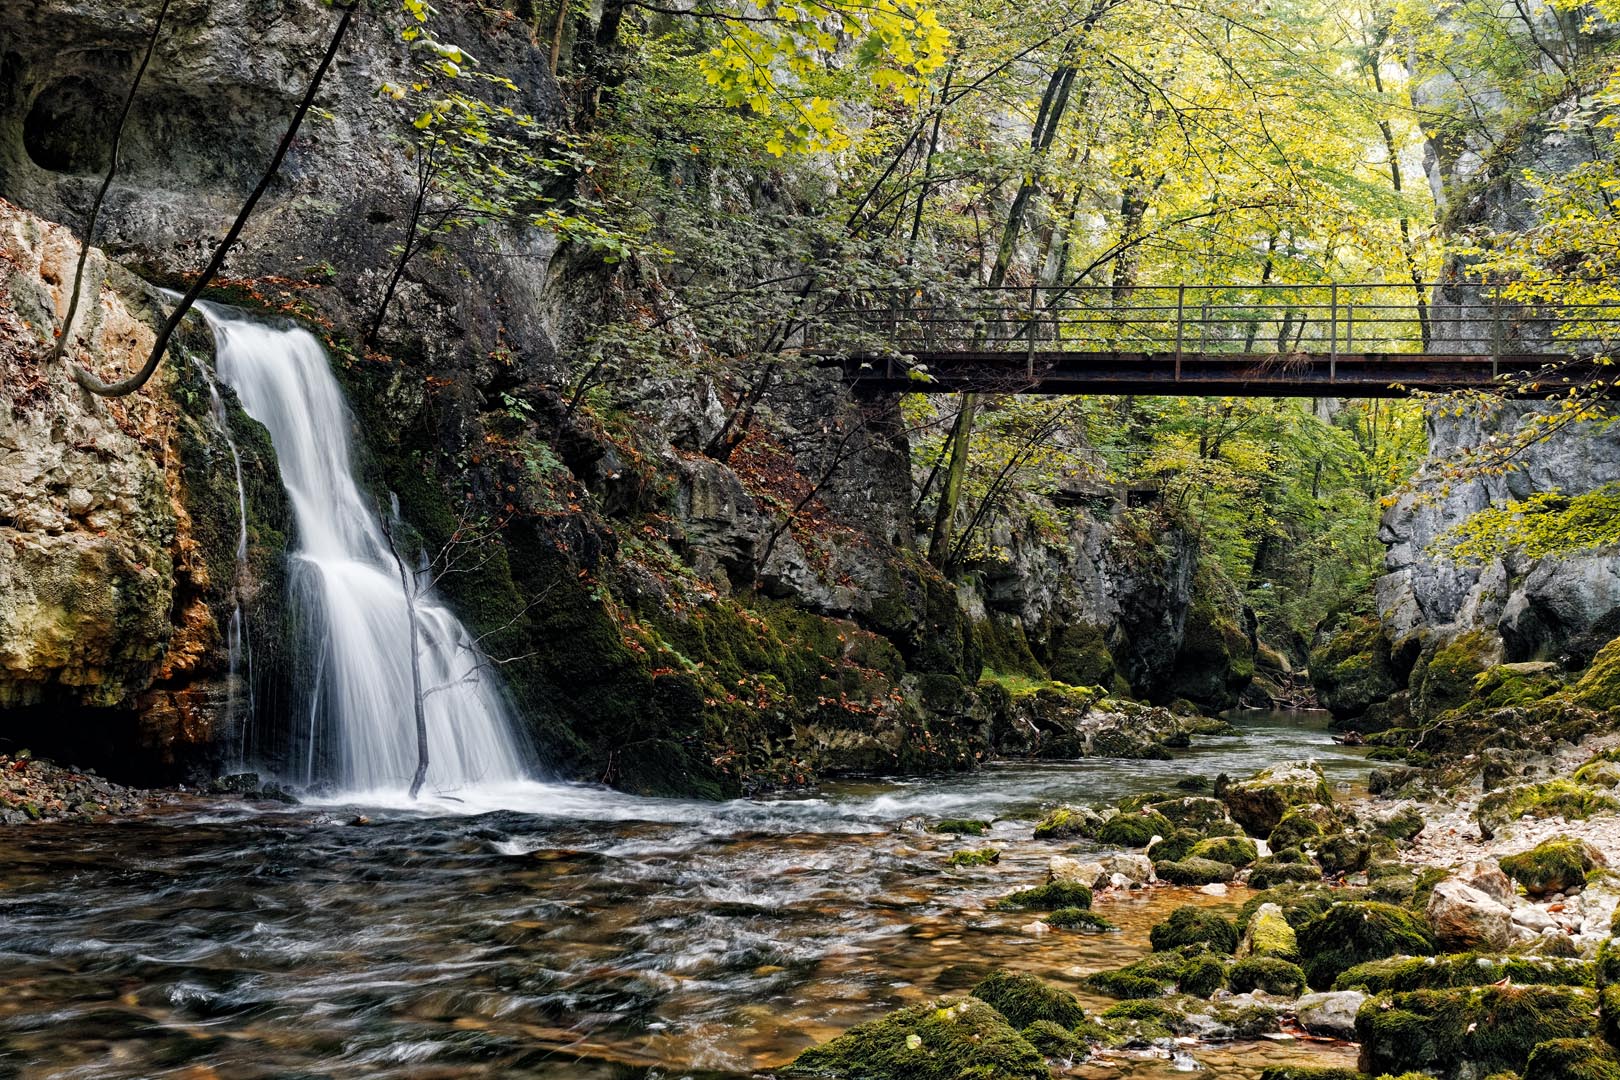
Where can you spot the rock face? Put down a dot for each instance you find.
(119, 520)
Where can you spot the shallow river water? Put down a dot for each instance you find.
(587, 935)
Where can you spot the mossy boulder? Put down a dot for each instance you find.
(974, 857)
(1353, 933)
(1303, 825)
(1193, 925)
(1344, 852)
(1351, 667)
(1557, 797)
(1067, 822)
(1049, 897)
(1268, 973)
(1463, 969)
(961, 826)
(1234, 850)
(1133, 830)
(1310, 1072)
(1202, 976)
(1073, 918)
(1271, 871)
(1269, 935)
(1445, 678)
(1572, 1059)
(1191, 871)
(1023, 999)
(1176, 846)
(1194, 812)
(1149, 977)
(1471, 1031)
(1555, 865)
(1260, 802)
(945, 1040)
(1599, 684)
(1054, 1041)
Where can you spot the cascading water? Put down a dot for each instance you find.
(350, 598)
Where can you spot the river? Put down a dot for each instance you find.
(588, 935)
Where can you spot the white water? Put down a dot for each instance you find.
(346, 584)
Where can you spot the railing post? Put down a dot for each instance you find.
(1034, 303)
(1496, 325)
(1181, 315)
(1350, 327)
(1203, 327)
(1333, 334)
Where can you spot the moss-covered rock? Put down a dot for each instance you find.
(1176, 846)
(1073, 918)
(1553, 865)
(1548, 798)
(1237, 851)
(1133, 830)
(1310, 1072)
(944, 1040)
(1445, 678)
(1344, 852)
(1268, 934)
(1193, 925)
(1462, 969)
(1478, 1029)
(1023, 999)
(1599, 685)
(1202, 976)
(1353, 933)
(1271, 871)
(1054, 1041)
(1049, 897)
(1194, 812)
(1351, 667)
(1572, 1059)
(1259, 803)
(1268, 973)
(1191, 871)
(974, 857)
(961, 826)
(1302, 825)
(1067, 822)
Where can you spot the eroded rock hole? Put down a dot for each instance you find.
(69, 128)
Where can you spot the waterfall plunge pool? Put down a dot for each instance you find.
(575, 933)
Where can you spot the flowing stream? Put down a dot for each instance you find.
(579, 934)
(359, 727)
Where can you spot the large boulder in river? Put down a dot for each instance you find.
(1464, 918)
(1259, 803)
(1332, 1014)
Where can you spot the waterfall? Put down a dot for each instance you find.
(347, 591)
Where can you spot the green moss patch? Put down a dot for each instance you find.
(1191, 871)
(1462, 969)
(1073, 918)
(961, 826)
(1133, 830)
(1353, 933)
(1572, 1059)
(1234, 850)
(1267, 973)
(1193, 925)
(1023, 999)
(1049, 897)
(946, 1040)
(974, 857)
(1552, 866)
(1549, 798)
(1481, 1029)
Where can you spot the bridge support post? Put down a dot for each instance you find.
(1181, 324)
(1333, 334)
(1034, 305)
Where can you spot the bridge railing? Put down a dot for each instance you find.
(1275, 319)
